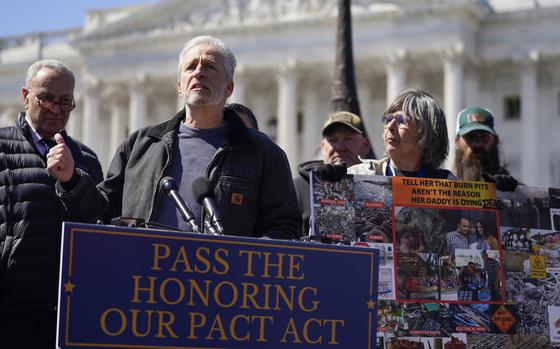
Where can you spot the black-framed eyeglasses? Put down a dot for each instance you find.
(48, 103)
(402, 120)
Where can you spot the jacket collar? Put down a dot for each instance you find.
(237, 133)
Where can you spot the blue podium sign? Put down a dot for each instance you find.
(138, 288)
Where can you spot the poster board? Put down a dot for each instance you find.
(436, 286)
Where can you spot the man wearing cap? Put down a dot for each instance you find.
(476, 149)
(343, 142)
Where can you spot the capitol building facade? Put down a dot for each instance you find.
(501, 54)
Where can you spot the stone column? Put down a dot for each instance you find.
(117, 100)
(531, 152)
(472, 86)
(395, 67)
(74, 124)
(287, 113)
(311, 133)
(90, 117)
(262, 111)
(453, 82)
(239, 84)
(138, 108)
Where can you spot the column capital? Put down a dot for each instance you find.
(115, 93)
(454, 53)
(90, 83)
(527, 58)
(397, 56)
(138, 82)
(288, 67)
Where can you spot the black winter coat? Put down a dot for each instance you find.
(31, 219)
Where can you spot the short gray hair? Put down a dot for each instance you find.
(218, 45)
(432, 127)
(53, 64)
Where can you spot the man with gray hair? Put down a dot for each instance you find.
(249, 175)
(31, 216)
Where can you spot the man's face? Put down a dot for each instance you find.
(464, 227)
(475, 143)
(342, 144)
(48, 86)
(203, 77)
(476, 153)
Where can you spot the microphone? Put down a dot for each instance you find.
(204, 196)
(168, 187)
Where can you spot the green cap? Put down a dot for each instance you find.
(475, 119)
(344, 118)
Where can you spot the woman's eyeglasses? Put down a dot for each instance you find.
(402, 120)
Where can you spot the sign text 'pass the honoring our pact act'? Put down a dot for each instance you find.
(160, 289)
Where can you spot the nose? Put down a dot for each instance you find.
(199, 71)
(56, 108)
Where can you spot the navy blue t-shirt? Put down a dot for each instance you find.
(196, 148)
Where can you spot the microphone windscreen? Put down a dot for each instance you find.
(166, 184)
(201, 189)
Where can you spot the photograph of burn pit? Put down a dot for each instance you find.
(526, 207)
(505, 341)
(428, 319)
(434, 250)
(372, 206)
(333, 209)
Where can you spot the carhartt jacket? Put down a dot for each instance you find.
(249, 173)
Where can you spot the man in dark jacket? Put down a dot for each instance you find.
(343, 142)
(477, 155)
(248, 173)
(30, 215)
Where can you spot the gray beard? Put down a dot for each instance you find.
(472, 166)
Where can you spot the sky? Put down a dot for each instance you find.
(31, 16)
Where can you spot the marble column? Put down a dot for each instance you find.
(287, 113)
(311, 133)
(74, 124)
(472, 86)
(138, 108)
(531, 152)
(90, 116)
(395, 67)
(453, 87)
(239, 84)
(261, 108)
(119, 117)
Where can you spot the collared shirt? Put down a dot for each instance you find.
(37, 139)
(456, 240)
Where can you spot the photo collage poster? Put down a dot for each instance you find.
(461, 264)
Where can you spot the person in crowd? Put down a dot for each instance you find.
(415, 138)
(477, 155)
(410, 242)
(487, 241)
(246, 114)
(31, 216)
(343, 143)
(469, 282)
(492, 271)
(249, 174)
(460, 238)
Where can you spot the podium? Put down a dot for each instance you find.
(142, 288)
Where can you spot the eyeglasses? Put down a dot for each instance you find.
(402, 120)
(47, 102)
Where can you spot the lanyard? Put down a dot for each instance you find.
(391, 171)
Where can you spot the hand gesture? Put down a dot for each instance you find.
(60, 162)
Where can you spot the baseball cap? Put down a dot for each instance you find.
(344, 118)
(475, 119)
